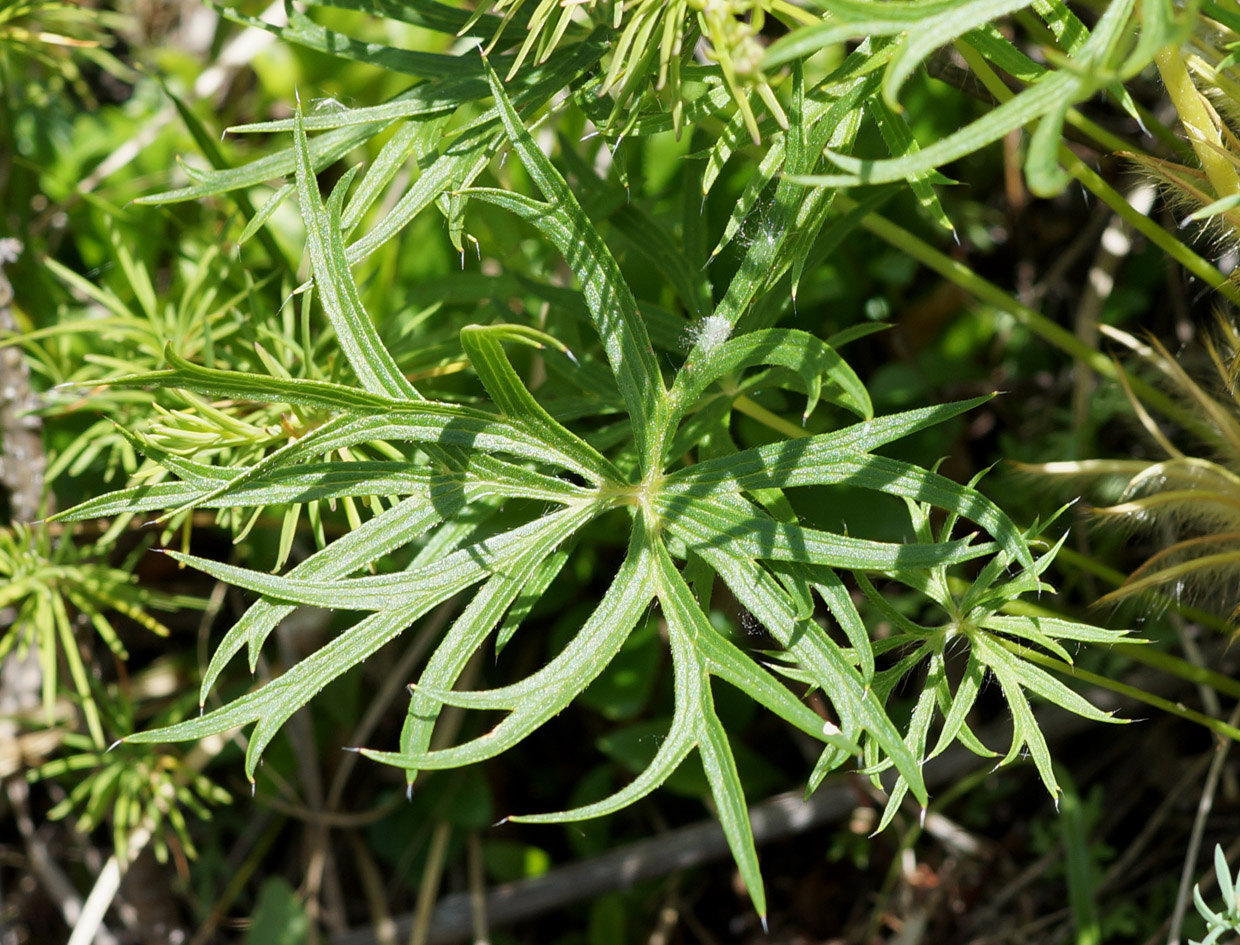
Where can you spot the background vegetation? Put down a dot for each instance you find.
(676, 322)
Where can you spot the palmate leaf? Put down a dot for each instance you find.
(995, 643)
(698, 652)
(697, 510)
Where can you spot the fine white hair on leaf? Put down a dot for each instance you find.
(711, 332)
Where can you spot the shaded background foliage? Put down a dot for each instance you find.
(102, 284)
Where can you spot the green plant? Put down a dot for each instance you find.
(56, 585)
(1189, 496)
(1219, 924)
(478, 481)
(971, 616)
(130, 789)
(483, 437)
(51, 36)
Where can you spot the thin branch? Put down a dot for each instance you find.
(1204, 806)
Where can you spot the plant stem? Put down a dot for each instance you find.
(991, 294)
(77, 671)
(1217, 726)
(1094, 183)
(1204, 270)
(1195, 116)
(1137, 652)
(762, 415)
(428, 889)
(1174, 666)
(1116, 578)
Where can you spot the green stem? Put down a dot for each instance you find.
(991, 294)
(1094, 183)
(1199, 267)
(1217, 726)
(1197, 121)
(77, 672)
(762, 415)
(1116, 578)
(1174, 666)
(1108, 141)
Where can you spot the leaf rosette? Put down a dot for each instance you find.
(700, 513)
